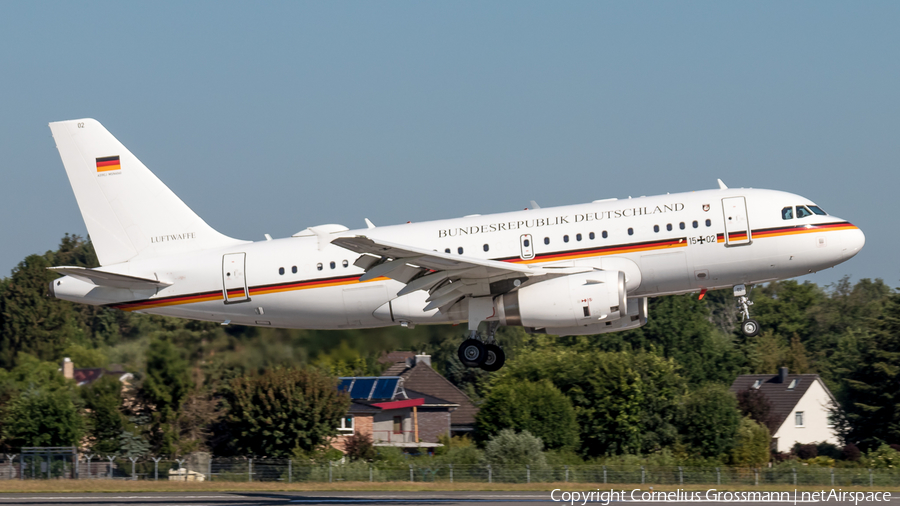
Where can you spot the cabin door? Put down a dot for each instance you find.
(234, 282)
(737, 226)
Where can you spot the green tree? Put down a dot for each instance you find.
(283, 411)
(511, 449)
(751, 444)
(105, 421)
(624, 402)
(165, 386)
(537, 407)
(870, 398)
(708, 420)
(42, 416)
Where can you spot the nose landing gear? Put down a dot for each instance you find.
(749, 326)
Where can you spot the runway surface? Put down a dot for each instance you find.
(326, 498)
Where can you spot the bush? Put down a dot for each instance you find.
(510, 449)
(751, 448)
(805, 452)
(828, 450)
(359, 447)
(851, 453)
(537, 407)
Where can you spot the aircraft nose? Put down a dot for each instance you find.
(854, 240)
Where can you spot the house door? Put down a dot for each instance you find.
(527, 247)
(234, 282)
(737, 226)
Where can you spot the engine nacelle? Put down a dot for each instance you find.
(569, 301)
(635, 317)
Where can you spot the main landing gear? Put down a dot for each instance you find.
(749, 326)
(484, 353)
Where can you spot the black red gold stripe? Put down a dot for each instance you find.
(108, 163)
(680, 242)
(783, 231)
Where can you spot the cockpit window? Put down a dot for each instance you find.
(818, 210)
(803, 212)
(787, 213)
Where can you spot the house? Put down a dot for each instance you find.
(392, 415)
(419, 376)
(87, 376)
(801, 405)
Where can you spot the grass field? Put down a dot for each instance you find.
(115, 486)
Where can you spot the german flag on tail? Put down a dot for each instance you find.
(108, 163)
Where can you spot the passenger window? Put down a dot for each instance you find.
(333, 265)
(818, 210)
(577, 237)
(695, 224)
(787, 213)
(708, 223)
(546, 240)
(669, 227)
(681, 225)
(294, 269)
(486, 247)
(591, 236)
(656, 228)
(319, 267)
(527, 243)
(565, 238)
(281, 270)
(605, 235)
(630, 231)
(345, 264)
(460, 250)
(447, 251)
(803, 212)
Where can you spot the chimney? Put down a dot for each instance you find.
(782, 374)
(68, 368)
(426, 359)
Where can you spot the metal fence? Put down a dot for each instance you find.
(37, 465)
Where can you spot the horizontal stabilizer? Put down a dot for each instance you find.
(101, 278)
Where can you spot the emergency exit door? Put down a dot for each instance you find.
(527, 247)
(737, 226)
(234, 281)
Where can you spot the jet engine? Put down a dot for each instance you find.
(576, 300)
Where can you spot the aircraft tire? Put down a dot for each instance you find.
(494, 358)
(750, 328)
(472, 353)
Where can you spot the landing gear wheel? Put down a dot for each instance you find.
(472, 353)
(750, 328)
(494, 359)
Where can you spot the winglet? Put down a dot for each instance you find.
(534, 205)
(721, 185)
(369, 224)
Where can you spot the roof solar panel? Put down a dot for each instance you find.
(362, 388)
(385, 388)
(345, 383)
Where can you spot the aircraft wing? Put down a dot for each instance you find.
(110, 279)
(447, 277)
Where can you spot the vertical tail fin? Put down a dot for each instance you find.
(128, 211)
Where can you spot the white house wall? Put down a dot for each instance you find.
(815, 405)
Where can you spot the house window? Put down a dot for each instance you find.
(793, 384)
(346, 424)
(798, 419)
(398, 425)
(756, 384)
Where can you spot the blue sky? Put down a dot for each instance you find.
(268, 117)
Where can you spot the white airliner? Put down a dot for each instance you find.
(574, 270)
